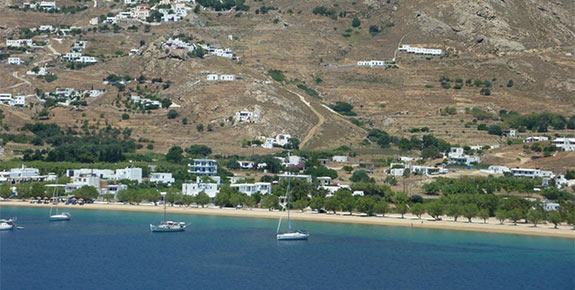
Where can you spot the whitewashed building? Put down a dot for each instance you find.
(247, 116)
(203, 167)
(19, 42)
(339, 158)
(457, 156)
(251, 188)
(422, 51)
(567, 144)
(531, 173)
(536, 139)
(160, 177)
(15, 61)
(129, 173)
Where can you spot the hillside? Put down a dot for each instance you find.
(525, 41)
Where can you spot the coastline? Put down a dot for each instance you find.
(492, 225)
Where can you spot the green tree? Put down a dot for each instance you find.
(501, 215)
(202, 199)
(348, 169)
(346, 200)
(381, 207)
(270, 201)
(108, 197)
(172, 114)
(300, 204)
(5, 191)
(484, 214)
(470, 211)
(199, 150)
(555, 218)
(571, 219)
(355, 22)
(223, 197)
(188, 199)
(515, 215)
(454, 211)
(175, 154)
(86, 192)
(401, 208)
(418, 209)
(535, 216)
(331, 204)
(435, 209)
(38, 189)
(317, 202)
(366, 205)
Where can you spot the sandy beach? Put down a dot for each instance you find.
(492, 225)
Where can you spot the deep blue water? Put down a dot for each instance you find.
(115, 250)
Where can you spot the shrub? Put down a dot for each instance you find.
(355, 22)
(125, 116)
(172, 114)
(277, 75)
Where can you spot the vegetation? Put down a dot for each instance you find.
(277, 75)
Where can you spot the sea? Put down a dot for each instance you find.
(116, 250)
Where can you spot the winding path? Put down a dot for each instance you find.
(24, 81)
(321, 119)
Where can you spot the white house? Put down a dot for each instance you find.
(247, 116)
(87, 59)
(159, 177)
(227, 78)
(333, 188)
(247, 164)
(339, 158)
(567, 144)
(536, 139)
(324, 180)
(19, 101)
(46, 5)
(280, 140)
(203, 167)
(372, 63)
(251, 188)
(19, 42)
(495, 169)
(509, 133)
(211, 189)
(531, 173)
(15, 61)
(70, 56)
(212, 77)
(422, 51)
(42, 71)
(130, 173)
(307, 178)
(457, 155)
(101, 173)
(131, 2)
(44, 28)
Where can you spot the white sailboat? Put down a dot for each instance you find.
(290, 235)
(7, 224)
(55, 214)
(167, 226)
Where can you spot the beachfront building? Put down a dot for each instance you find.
(210, 187)
(333, 188)
(567, 144)
(129, 173)
(101, 173)
(531, 173)
(24, 174)
(251, 188)
(203, 167)
(160, 177)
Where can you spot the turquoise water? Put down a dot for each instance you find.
(115, 250)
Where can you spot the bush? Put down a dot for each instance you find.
(355, 22)
(172, 114)
(485, 92)
(510, 84)
(495, 130)
(277, 75)
(125, 116)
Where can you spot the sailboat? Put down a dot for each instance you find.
(7, 224)
(290, 235)
(55, 214)
(168, 226)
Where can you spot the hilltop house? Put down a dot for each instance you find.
(457, 156)
(339, 158)
(422, 51)
(279, 140)
(372, 63)
(509, 133)
(307, 178)
(19, 42)
(15, 61)
(47, 5)
(536, 139)
(567, 144)
(16, 101)
(247, 116)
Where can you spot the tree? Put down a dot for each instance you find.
(355, 22)
(345, 200)
(331, 204)
(223, 196)
(86, 192)
(125, 116)
(361, 176)
(381, 207)
(172, 114)
(270, 201)
(5, 191)
(202, 199)
(199, 150)
(484, 214)
(454, 211)
(38, 189)
(300, 204)
(400, 197)
(316, 203)
(418, 209)
(175, 154)
(366, 204)
(470, 211)
(348, 169)
(401, 208)
(501, 215)
(495, 130)
(571, 219)
(108, 197)
(515, 215)
(435, 209)
(535, 216)
(188, 199)
(555, 218)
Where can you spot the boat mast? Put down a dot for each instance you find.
(288, 204)
(164, 196)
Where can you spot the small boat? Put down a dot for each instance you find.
(167, 226)
(57, 216)
(7, 224)
(290, 235)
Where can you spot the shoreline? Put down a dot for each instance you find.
(492, 225)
